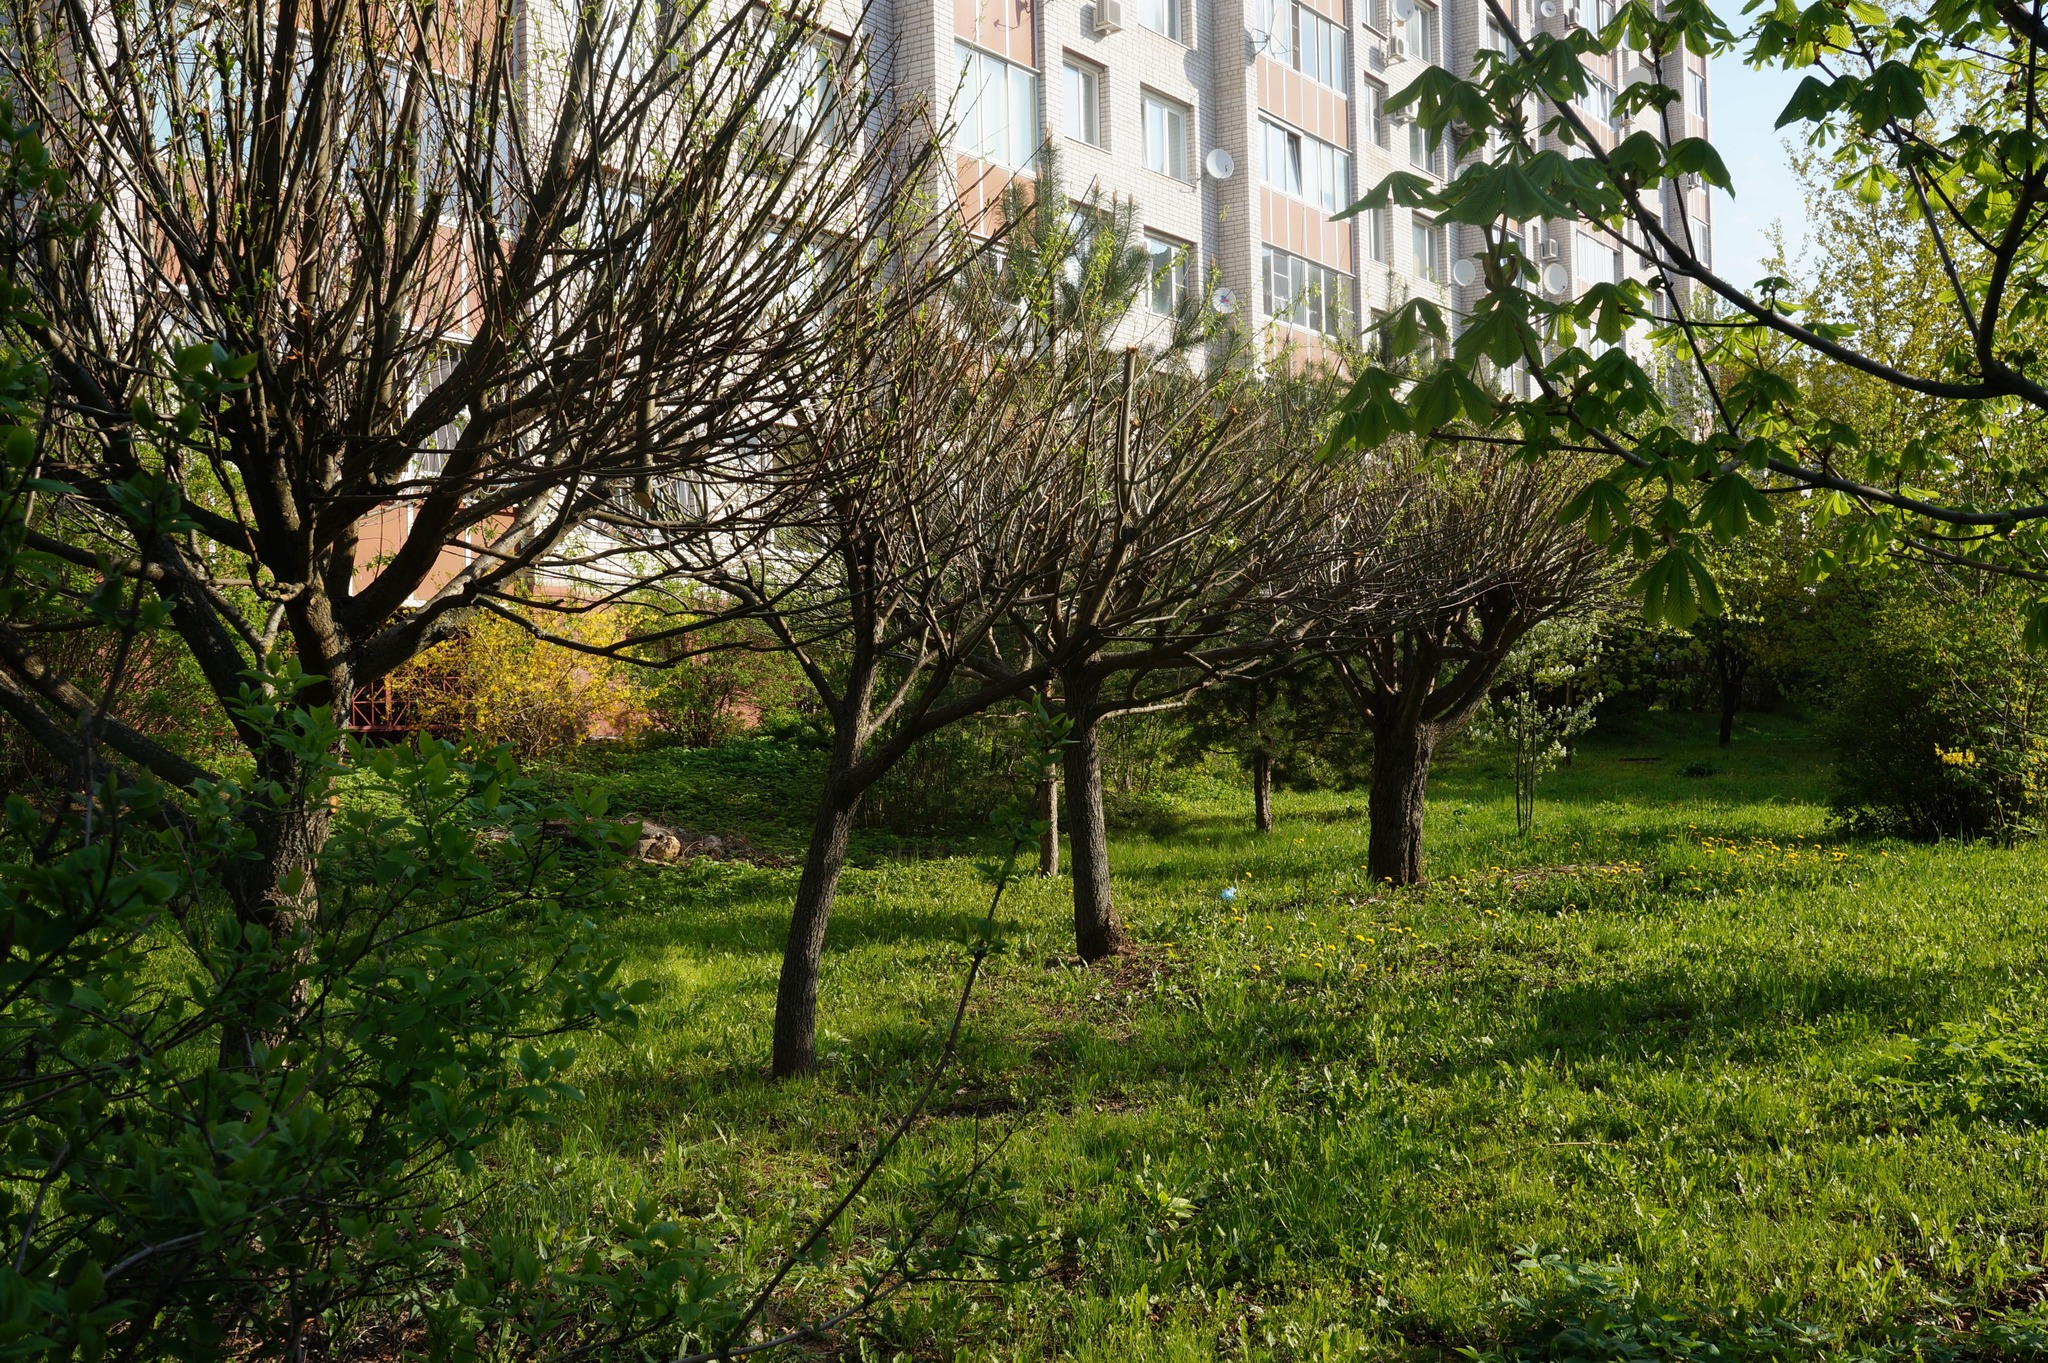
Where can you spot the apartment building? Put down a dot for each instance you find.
(1239, 128)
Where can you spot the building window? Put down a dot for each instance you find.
(1373, 222)
(1320, 49)
(997, 109)
(1703, 241)
(1303, 39)
(1696, 92)
(1598, 263)
(801, 98)
(1373, 14)
(1425, 149)
(1161, 16)
(1306, 294)
(1280, 157)
(1166, 137)
(1306, 167)
(1429, 251)
(1598, 102)
(1170, 262)
(1082, 99)
(1375, 114)
(437, 366)
(1423, 29)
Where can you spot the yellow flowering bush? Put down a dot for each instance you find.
(495, 682)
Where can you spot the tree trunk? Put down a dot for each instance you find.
(1733, 670)
(1402, 748)
(796, 997)
(277, 890)
(1262, 792)
(1049, 815)
(1097, 932)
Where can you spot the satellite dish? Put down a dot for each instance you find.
(1463, 273)
(1224, 301)
(1404, 10)
(1548, 9)
(1220, 164)
(1554, 278)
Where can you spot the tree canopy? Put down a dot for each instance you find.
(1709, 397)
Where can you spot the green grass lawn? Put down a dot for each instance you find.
(1673, 1030)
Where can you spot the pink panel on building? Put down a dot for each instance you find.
(983, 187)
(1002, 26)
(1295, 226)
(1312, 107)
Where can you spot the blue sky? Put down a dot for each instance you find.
(1745, 105)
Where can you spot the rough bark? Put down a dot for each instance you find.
(1098, 933)
(1262, 792)
(1049, 815)
(1402, 748)
(796, 996)
(276, 889)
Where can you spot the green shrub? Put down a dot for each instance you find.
(948, 782)
(742, 683)
(222, 1141)
(1937, 722)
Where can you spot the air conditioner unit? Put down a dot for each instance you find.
(1551, 250)
(785, 133)
(1397, 48)
(1109, 17)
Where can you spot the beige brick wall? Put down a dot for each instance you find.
(1217, 74)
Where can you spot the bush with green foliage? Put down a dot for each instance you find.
(740, 681)
(1937, 719)
(1540, 702)
(223, 1141)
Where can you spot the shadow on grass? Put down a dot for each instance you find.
(1762, 1010)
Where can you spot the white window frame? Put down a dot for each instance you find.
(1308, 295)
(1170, 262)
(1598, 103)
(1425, 149)
(1166, 153)
(1304, 40)
(1596, 261)
(1014, 143)
(1428, 263)
(1373, 96)
(1304, 166)
(1167, 18)
(1081, 90)
(1428, 34)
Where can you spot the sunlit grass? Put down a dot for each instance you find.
(1667, 1028)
